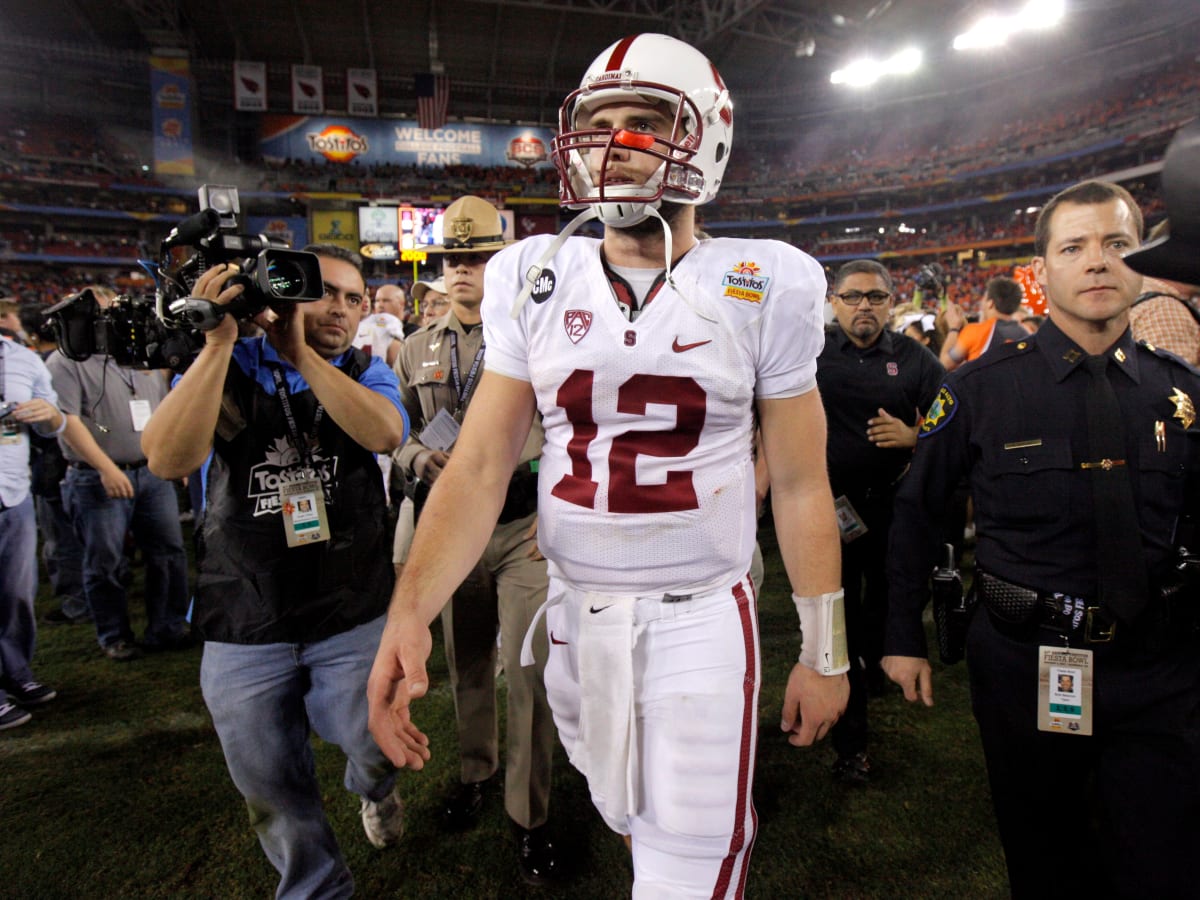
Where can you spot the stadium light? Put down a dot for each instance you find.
(994, 30)
(864, 72)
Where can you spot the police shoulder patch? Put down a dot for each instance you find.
(941, 411)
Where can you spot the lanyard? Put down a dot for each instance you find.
(300, 441)
(464, 390)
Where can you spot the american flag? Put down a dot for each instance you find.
(433, 96)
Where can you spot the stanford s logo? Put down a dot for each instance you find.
(577, 322)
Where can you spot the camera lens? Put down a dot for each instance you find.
(287, 278)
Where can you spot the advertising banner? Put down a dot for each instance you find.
(367, 142)
(335, 226)
(171, 98)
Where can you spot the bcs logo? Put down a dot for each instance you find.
(527, 151)
(337, 143)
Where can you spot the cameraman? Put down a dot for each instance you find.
(108, 491)
(293, 420)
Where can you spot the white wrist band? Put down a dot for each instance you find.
(823, 632)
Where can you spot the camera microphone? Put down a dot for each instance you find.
(193, 229)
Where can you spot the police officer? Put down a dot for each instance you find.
(439, 368)
(874, 383)
(1078, 444)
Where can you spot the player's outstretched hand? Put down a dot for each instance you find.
(812, 704)
(397, 678)
(913, 674)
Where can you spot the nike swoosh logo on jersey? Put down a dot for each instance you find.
(555, 640)
(593, 609)
(683, 348)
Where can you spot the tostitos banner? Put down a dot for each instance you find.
(366, 142)
(171, 98)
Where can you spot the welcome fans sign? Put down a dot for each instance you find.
(367, 142)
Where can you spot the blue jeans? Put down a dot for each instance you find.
(63, 555)
(18, 585)
(101, 523)
(264, 698)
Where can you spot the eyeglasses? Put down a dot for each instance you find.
(854, 298)
(466, 259)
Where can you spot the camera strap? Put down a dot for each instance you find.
(463, 390)
(301, 441)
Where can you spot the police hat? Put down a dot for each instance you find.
(1177, 256)
(470, 225)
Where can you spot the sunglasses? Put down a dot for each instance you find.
(466, 259)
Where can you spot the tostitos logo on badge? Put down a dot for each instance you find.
(744, 282)
(577, 322)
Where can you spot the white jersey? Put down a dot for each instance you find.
(376, 333)
(646, 482)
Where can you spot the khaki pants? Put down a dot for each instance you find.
(502, 594)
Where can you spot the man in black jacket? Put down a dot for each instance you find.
(294, 570)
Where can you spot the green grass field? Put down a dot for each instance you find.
(118, 789)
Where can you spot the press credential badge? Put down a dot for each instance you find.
(302, 503)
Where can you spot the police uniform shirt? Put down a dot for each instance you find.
(896, 374)
(1015, 422)
(427, 383)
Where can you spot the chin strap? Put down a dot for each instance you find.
(587, 215)
(535, 271)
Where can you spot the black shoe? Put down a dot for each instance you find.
(854, 769)
(537, 856)
(462, 806)
(31, 693)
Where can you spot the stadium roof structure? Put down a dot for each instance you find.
(513, 60)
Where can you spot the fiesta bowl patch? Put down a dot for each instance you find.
(745, 281)
(940, 412)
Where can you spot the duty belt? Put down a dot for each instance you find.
(1016, 606)
(124, 467)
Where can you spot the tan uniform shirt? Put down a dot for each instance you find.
(427, 384)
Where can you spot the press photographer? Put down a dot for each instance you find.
(294, 564)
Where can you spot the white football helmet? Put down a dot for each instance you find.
(645, 68)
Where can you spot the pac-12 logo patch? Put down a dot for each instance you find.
(577, 322)
(745, 282)
(941, 411)
(543, 286)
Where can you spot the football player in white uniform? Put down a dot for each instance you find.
(649, 355)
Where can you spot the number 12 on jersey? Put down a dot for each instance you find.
(625, 494)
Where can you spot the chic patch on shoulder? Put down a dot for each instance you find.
(941, 411)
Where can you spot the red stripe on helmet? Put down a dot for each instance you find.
(618, 54)
(717, 77)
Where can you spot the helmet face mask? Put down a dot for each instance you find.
(653, 71)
